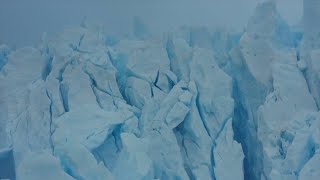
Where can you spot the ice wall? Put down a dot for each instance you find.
(195, 103)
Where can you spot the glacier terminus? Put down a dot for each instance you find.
(193, 103)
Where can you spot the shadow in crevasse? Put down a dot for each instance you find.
(7, 168)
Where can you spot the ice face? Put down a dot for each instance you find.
(48, 167)
(194, 104)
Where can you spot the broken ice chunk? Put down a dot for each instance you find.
(137, 91)
(177, 114)
(80, 163)
(39, 166)
(228, 155)
(186, 98)
(311, 170)
(89, 128)
(133, 160)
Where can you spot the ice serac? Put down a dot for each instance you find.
(265, 61)
(24, 104)
(282, 153)
(228, 155)
(163, 147)
(211, 108)
(282, 106)
(196, 143)
(143, 70)
(310, 46)
(215, 103)
(251, 71)
(299, 147)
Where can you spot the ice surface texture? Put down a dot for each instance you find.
(192, 104)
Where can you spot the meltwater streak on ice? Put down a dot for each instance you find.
(195, 103)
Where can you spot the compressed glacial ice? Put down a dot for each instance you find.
(195, 103)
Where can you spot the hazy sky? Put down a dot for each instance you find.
(23, 21)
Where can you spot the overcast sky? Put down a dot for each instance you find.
(23, 21)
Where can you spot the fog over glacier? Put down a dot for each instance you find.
(23, 22)
(160, 90)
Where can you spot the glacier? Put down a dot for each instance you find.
(193, 103)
